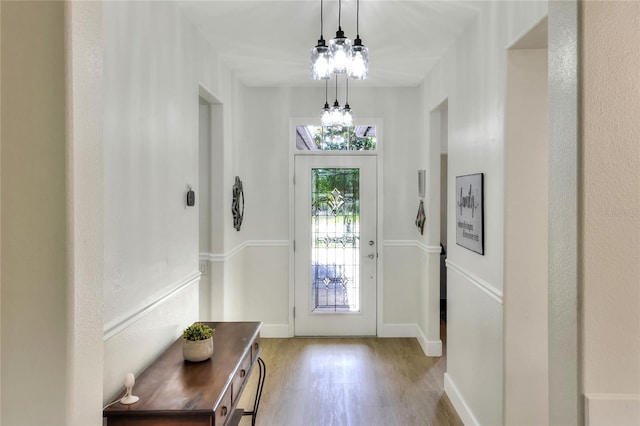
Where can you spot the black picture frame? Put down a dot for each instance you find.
(469, 206)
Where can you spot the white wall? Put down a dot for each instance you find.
(564, 309)
(34, 207)
(264, 169)
(526, 370)
(84, 211)
(0, 219)
(472, 77)
(154, 63)
(610, 205)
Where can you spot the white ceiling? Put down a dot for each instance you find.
(267, 43)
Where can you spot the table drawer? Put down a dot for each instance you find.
(255, 349)
(241, 376)
(224, 409)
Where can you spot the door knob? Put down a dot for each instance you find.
(371, 242)
(371, 256)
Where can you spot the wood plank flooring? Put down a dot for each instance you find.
(350, 382)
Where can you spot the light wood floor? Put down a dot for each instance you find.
(354, 382)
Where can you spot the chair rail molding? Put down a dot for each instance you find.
(122, 322)
(483, 285)
(413, 243)
(223, 257)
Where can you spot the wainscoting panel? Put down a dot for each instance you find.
(475, 346)
(458, 401)
(133, 342)
(409, 302)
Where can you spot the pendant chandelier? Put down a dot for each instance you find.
(340, 57)
(336, 116)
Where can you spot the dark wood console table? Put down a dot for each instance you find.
(173, 391)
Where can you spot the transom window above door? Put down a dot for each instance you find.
(333, 138)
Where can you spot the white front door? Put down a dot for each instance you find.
(335, 245)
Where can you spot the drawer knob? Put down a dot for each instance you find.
(224, 410)
(243, 373)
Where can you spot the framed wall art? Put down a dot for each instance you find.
(470, 212)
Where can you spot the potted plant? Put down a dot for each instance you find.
(197, 343)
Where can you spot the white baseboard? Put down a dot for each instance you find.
(274, 330)
(612, 409)
(458, 402)
(429, 347)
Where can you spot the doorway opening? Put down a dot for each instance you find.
(335, 285)
(209, 203)
(526, 222)
(335, 255)
(439, 128)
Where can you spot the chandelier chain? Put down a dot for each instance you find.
(358, 19)
(321, 20)
(326, 91)
(347, 97)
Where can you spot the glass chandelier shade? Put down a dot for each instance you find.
(320, 55)
(340, 51)
(347, 116)
(320, 61)
(359, 61)
(325, 119)
(335, 115)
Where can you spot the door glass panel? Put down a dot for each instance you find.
(335, 253)
(336, 138)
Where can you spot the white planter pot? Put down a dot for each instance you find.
(196, 351)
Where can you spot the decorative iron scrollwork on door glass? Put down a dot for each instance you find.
(335, 210)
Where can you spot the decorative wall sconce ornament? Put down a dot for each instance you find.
(237, 204)
(421, 218)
